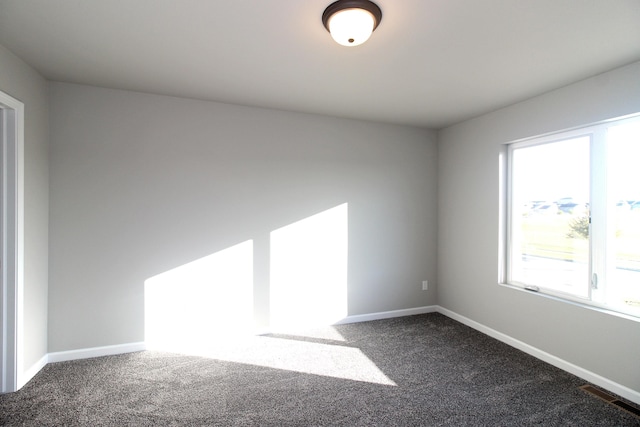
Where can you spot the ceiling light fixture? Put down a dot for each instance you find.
(351, 22)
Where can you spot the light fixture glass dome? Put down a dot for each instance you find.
(351, 27)
(351, 22)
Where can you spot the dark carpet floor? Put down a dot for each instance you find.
(425, 370)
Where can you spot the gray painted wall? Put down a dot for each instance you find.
(23, 83)
(141, 184)
(468, 229)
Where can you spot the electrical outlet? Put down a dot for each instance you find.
(425, 285)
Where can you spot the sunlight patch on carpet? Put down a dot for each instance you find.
(325, 333)
(336, 361)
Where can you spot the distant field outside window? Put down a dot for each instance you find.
(574, 215)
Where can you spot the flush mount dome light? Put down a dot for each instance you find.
(351, 22)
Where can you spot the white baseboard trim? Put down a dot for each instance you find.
(28, 374)
(387, 314)
(85, 353)
(578, 371)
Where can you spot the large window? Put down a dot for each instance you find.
(574, 215)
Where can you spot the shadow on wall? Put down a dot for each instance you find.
(191, 307)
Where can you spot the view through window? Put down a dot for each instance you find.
(574, 215)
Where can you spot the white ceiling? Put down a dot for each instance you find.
(430, 63)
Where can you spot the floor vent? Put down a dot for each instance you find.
(603, 395)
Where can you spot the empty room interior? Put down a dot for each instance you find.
(178, 175)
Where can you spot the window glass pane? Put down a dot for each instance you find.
(549, 236)
(623, 195)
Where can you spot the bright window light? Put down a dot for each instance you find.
(573, 226)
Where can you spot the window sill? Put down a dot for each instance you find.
(591, 307)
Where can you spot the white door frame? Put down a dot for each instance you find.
(12, 248)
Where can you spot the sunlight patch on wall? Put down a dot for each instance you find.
(308, 283)
(195, 304)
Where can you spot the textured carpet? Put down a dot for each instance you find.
(419, 370)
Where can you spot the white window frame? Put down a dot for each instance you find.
(598, 233)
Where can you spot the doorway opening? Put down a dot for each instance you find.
(12, 233)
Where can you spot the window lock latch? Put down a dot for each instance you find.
(594, 281)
